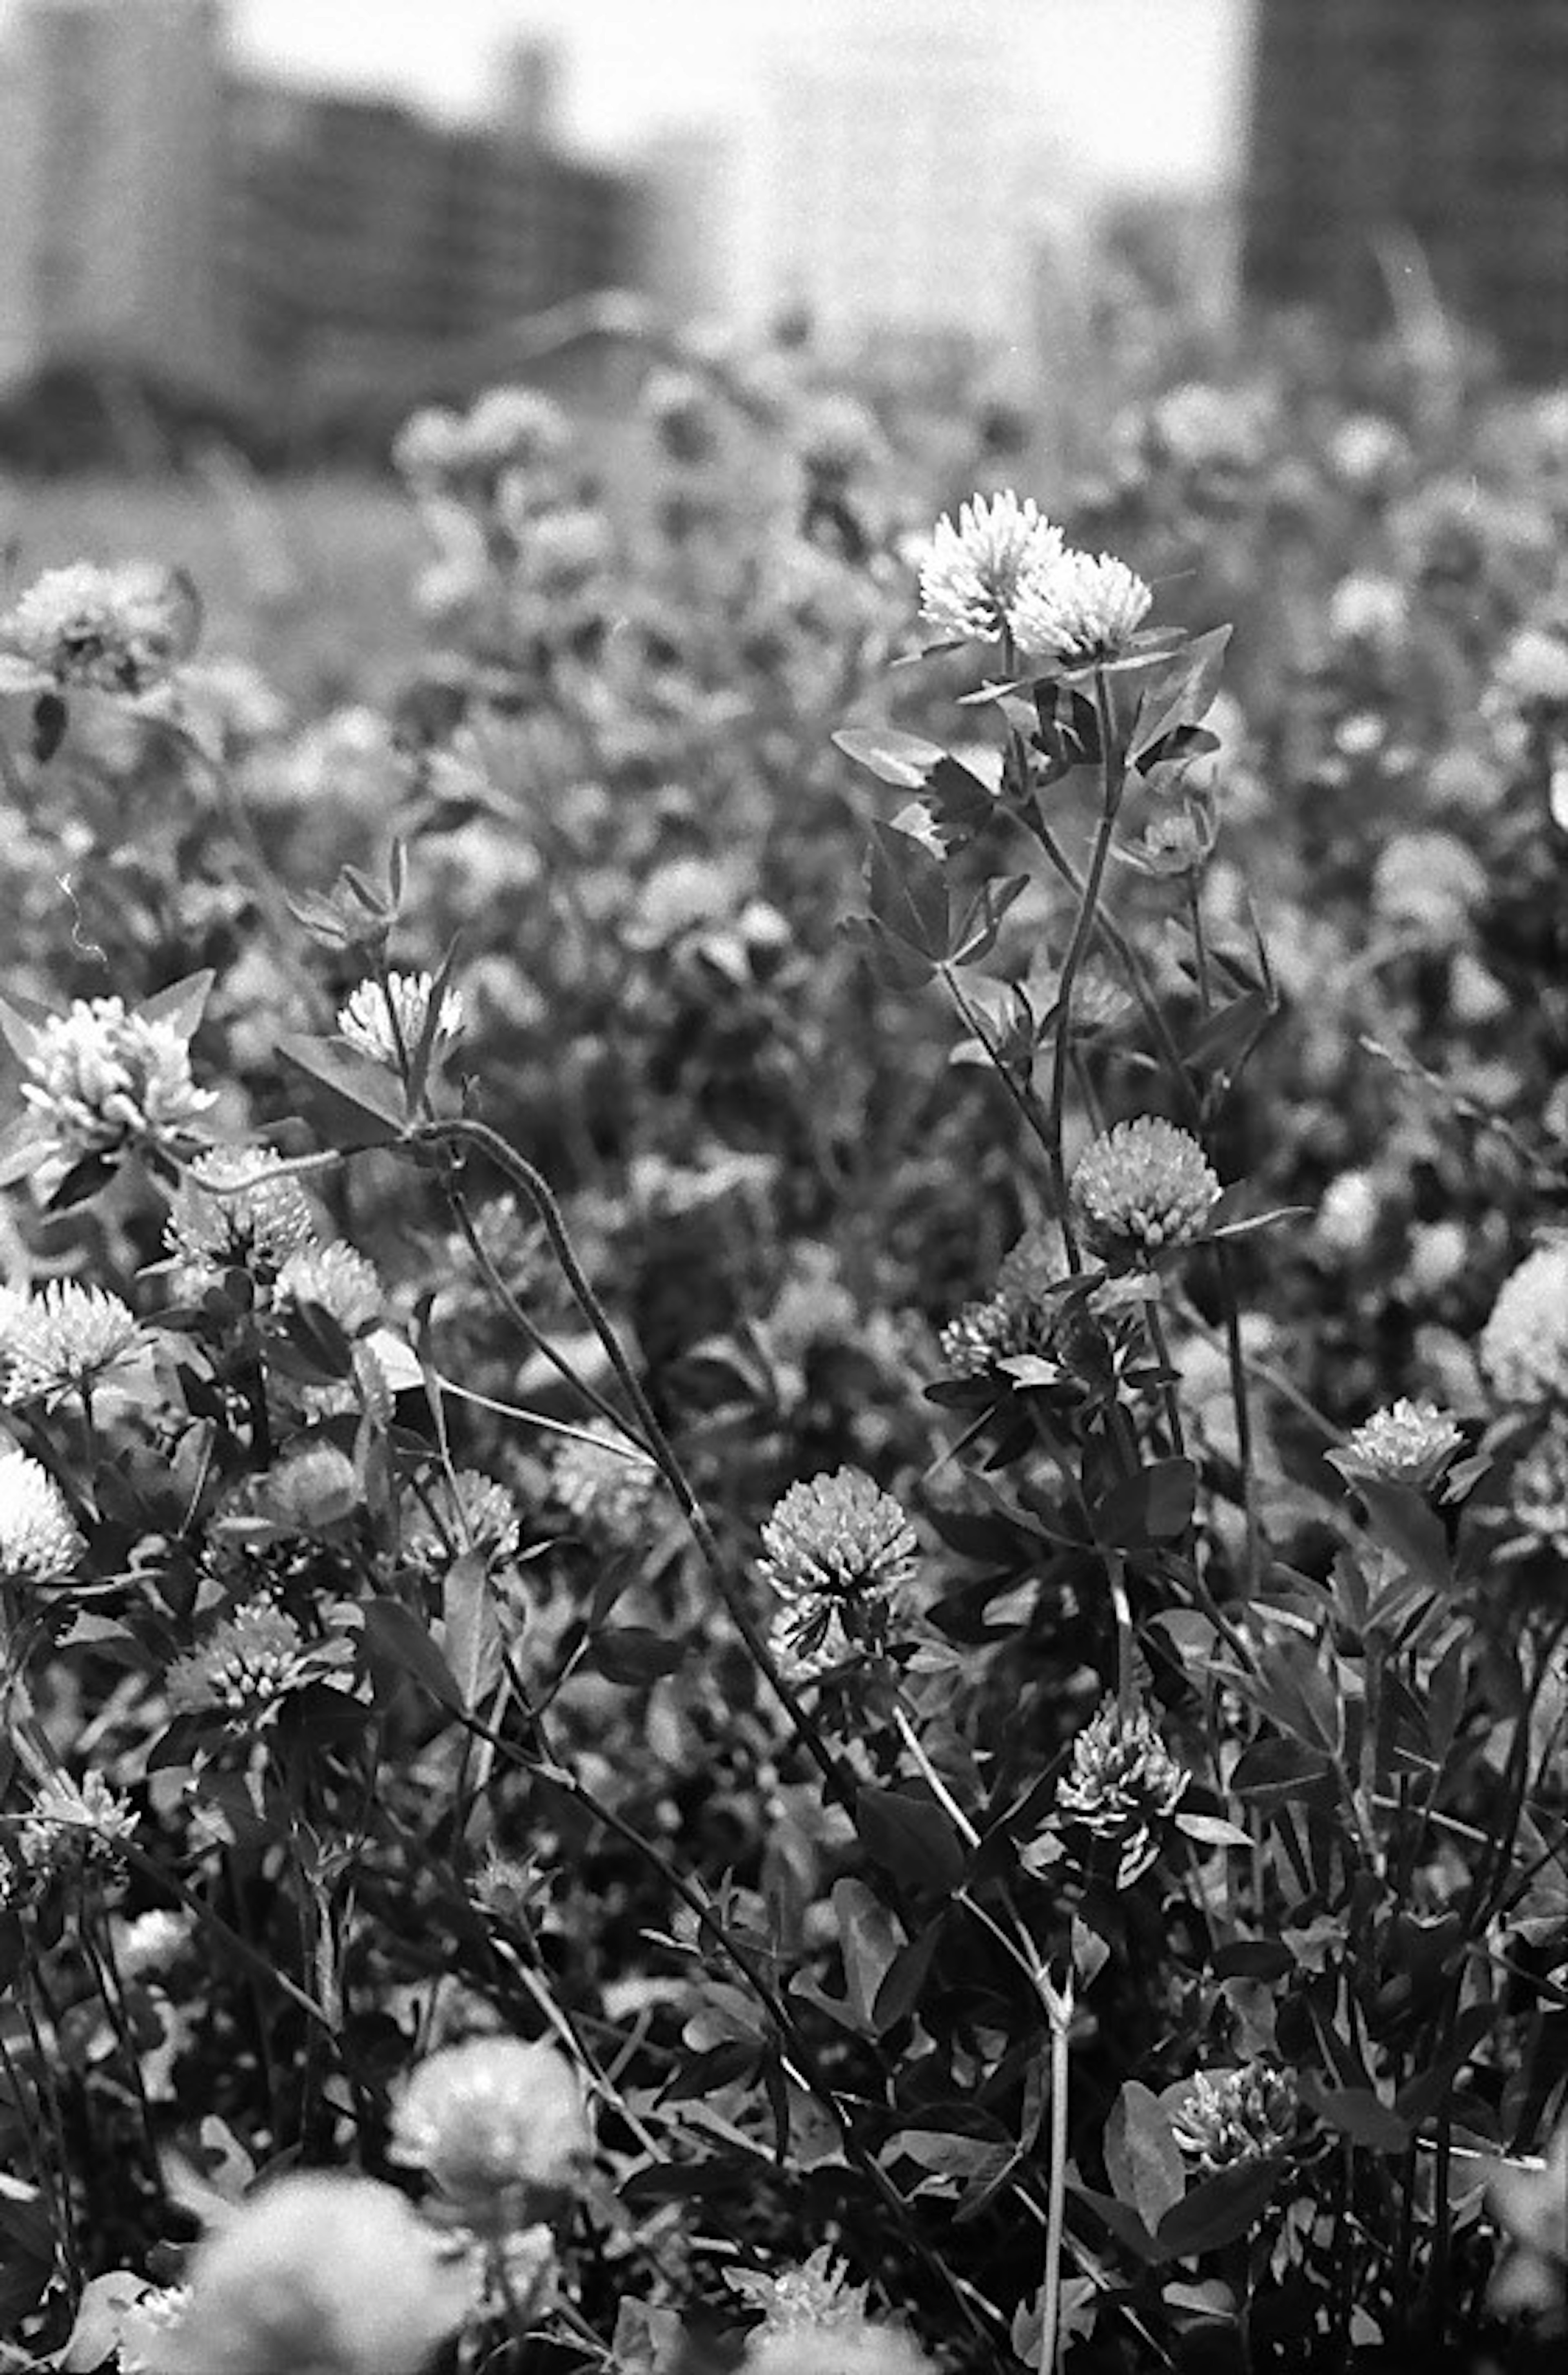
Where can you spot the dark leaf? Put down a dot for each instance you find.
(634, 1655)
(1219, 2211)
(910, 1836)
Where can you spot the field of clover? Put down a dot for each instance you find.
(784, 1462)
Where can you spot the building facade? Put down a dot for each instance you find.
(1445, 122)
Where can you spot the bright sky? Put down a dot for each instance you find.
(1148, 90)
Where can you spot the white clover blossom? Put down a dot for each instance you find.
(815, 2297)
(971, 573)
(118, 630)
(864, 2349)
(1079, 607)
(99, 1078)
(499, 2126)
(1143, 1187)
(233, 1210)
(368, 1024)
(1348, 1212)
(321, 2274)
(840, 1553)
(40, 1539)
(1237, 2115)
(247, 1664)
(602, 1482)
(65, 1338)
(151, 1941)
(148, 2327)
(1407, 1442)
(478, 1515)
(1122, 1785)
(336, 1278)
(74, 1825)
(1523, 1346)
(1538, 1499)
(317, 1486)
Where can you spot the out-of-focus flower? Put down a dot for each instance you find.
(65, 1339)
(99, 1079)
(684, 413)
(1122, 1785)
(75, 1827)
(249, 1662)
(816, 2298)
(340, 1280)
(1367, 452)
(514, 428)
(429, 444)
(866, 2349)
(562, 551)
(368, 1021)
(232, 1210)
(149, 1942)
(1538, 1489)
(117, 629)
(1174, 842)
(1409, 1443)
(840, 1553)
(839, 438)
(1347, 1218)
(1237, 2115)
(317, 1486)
(1528, 2202)
(1141, 1187)
(606, 1492)
(1428, 880)
(1439, 1251)
(480, 1516)
(1370, 611)
(1523, 1346)
(499, 2126)
(971, 574)
(148, 2327)
(1532, 670)
(1077, 607)
(320, 2274)
(40, 1539)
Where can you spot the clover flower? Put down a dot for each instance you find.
(1078, 607)
(116, 630)
(1539, 1490)
(76, 1826)
(1348, 1213)
(232, 1210)
(321, 2274)
(316, 1487)
(338, 1280)
(1523, 1346)
(1237, 2115)
(1527, 2201)
(147, 2328)
(99, 1078)
(1429, 880)
(1122, 1785)
(864, 2349)
(247, 1664)
(606, 1493)
(840, 1553)
(153, 1940)
(478, 1515)
(815, 2297)
(1407, 1442)
(1018, 1318)
(499, 2126)
(40, 1539)
(971, 574)
(837, 437)
(515, 428)
(65, 1339)
(367, 1020)
(1141, 1187)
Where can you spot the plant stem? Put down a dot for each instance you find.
(1113, 775)
(1059, 2008)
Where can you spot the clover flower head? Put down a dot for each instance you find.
(1407, 1442)
(322, 2273)
(318, 1486)
(249, 1662)
(863, 2349)
(1348, 1213)
(1141, 1187)
(98, 1078)
(1237, 2115)
(837, 437)
(498, 2125)
(815, 2297)
(517, 429)
(971, 574)
(366, 1022)
(1430, 880)
(1019, 1318)
(65, 1338)
(73, 1826)
(1523, 1346)
(153, 1940)
(1077, 607)
(1369, 610)
(40, 1539)
(1122, 1785)
(233, 1211)
(840, 1553)
(1539, 1490)
(478, 1515)
(118, 630)
(1532, 672)
(336, 1279)
(147, 2328)
(608, 1495)
(1527, 2201)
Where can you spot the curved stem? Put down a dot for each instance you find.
(1113, 775)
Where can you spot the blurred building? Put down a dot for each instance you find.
(366, 241)
(1374, 121)
(896, 153)
(111, 169)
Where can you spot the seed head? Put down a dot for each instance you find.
(1076, 608)
(40, 1541)
(499, 2126)
(1123, 1786)
(367, 1020)
(971, 575)
(1237, 2115)
(1141, 1187)
(1523, 1346)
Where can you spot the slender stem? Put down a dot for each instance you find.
(1127, 1670)
(976, 1023)
(1059, 2007)
(1112, 779)
(1168, 1401)
(933, 1780)
(1199, 942)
